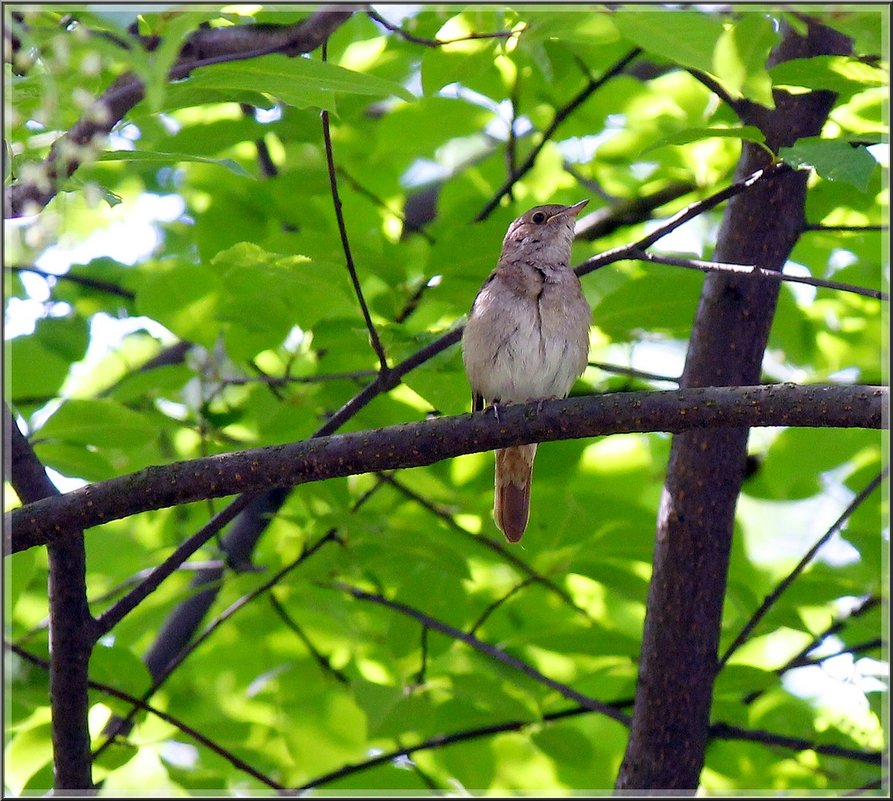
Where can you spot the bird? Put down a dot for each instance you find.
(526, 338)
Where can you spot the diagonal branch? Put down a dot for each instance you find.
(498, 547)
(441, 741)
(204, 48)
(688, 213)
(423, 443)
(802, 658)
(786, 582)
(490, 650)
(82, 280)
(120, 723)
(592, 85)
(404, 34)
(724, 731)
(196, 735)
(116, 613)
(748, 269)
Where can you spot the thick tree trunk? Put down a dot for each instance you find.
(71, 626)
(668, 736)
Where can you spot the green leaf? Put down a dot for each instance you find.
(75, 460)
(840, 74)
(656, 303)
(833, 159)
(739, 60)
(40, 363)
(183, 297)
(796, 459)
(174, 32)
(36, 373)
(102, 423)
(18, 570)
(172, 158)
(292, 290)
(748, 133)
(29, 750)
(297, 81)
(687, 38)
(122, 669)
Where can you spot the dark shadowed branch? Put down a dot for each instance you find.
(486, 648)
(196, 735)
(72, 627)
(205, 47)
(769, 600)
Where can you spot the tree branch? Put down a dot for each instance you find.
(82, 280)
(345, 244)
(560, 116)
(441, 741)
(159, 676)
(753, 180)
(376, 17)
(497, 546)
(196, 735)
(205, 47)
(72, 628)
(490, 650)
(748, 269)
(426, 442)
(677, 668)
(786, 582)
(723, 731)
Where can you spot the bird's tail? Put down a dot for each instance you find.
(511, 498)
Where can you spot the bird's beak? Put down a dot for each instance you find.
(570, 210)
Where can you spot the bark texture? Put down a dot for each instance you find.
(71, 625)
(429, 441)
(671, 717)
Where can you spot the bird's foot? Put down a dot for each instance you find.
(542, 401)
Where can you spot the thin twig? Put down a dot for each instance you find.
(81, 280)
(116, 613)
(724, 731)
(485, 648)
(800, 659)
(367, 193)
(218, 621)
(630, 371)
(740, 107)
(854, 229)
(375, 16)
(747, 269)
(561, 115)
(202, 739)
(496, 546)
(492, 607)
(345, 243)
(770, 599)
(439, 741)
(280, 380)
(320, 659)
(680, 218)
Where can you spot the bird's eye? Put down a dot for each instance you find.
(539, 217)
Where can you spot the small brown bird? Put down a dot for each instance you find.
(527, 338)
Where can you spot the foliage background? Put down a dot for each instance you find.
(244, 261)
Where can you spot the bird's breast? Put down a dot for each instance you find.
(524, 346)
